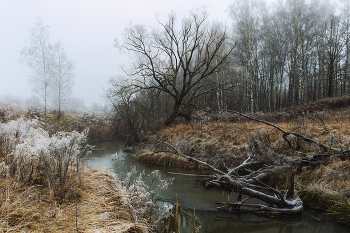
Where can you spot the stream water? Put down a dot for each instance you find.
(192, 194)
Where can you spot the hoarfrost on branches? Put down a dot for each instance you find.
(141, 197)
(28, 151)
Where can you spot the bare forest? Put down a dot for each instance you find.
(268, 57)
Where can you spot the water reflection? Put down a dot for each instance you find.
(192, 194)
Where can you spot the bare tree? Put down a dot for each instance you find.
(62, 77)
(177, 62)
(135, 111)
(37, 56)
(290, 54)
(125, 107)
(346, 31)
(246, 17)
(334, 49)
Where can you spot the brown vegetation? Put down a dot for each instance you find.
(226, 140)
(101, 126)
(45, 188)
(97, 206)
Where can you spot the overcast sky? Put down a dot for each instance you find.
(87, 29)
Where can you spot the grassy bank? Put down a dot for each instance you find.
(226, 140)
(96, 206)
(45, 188)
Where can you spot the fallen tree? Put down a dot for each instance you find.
(251, 178)
(247, 182)
(313, 160)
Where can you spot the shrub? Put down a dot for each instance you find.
(31, 155)
(140, 198)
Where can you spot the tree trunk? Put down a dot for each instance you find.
(174, 113)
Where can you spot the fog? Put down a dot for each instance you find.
(87, 30)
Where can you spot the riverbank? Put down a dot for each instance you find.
(44, 187)
(226, 140)
(97, 207)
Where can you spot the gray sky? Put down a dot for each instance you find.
(87, 29)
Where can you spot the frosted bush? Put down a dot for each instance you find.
(141, 197)
(31, 154)
(8, 111)
(3, 169)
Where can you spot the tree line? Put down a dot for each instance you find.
(271, 57)
(290, 53)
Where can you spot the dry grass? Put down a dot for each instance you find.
(334, 177)
(328, 188)
(100, 125)
(225, 141)
(164, 159)
(97, 208)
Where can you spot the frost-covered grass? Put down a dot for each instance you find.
(30, 155)
(9, 111)
(29, 158)
(42, 181)
(140, 198)
(101, 125)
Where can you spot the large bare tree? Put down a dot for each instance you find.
(177, 62)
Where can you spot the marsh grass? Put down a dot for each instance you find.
(101, 126)
(336, 205)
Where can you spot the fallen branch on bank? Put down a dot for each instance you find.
(315, 160)
(249, 178)
(286, 133)
(251, 186)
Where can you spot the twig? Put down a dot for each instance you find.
(244, 164)
(323, 125)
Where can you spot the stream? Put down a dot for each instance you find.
(192, 194)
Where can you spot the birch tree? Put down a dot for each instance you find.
(246, 17)
(37, 56)
(62, 77)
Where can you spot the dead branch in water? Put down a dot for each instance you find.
(276, 203)
(184, 174)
